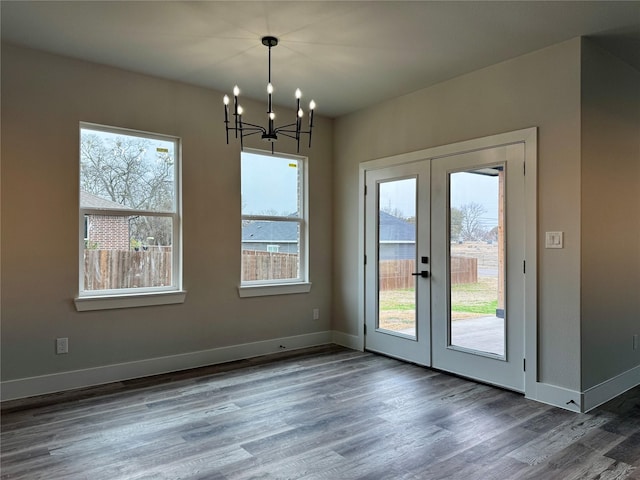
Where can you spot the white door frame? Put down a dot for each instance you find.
(528, 137)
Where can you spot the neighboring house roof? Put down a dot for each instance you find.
(271, 232)
(89, 200)
(394, 229)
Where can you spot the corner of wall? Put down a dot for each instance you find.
(610, 223)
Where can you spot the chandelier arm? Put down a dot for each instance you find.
(251, 126)
(287, 135)
(294, 131)
(253, 132)
(282, 128)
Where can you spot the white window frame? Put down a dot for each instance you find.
(134, 297)
(256, 288)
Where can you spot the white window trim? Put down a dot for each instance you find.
(88, 300)
(273, 289)
(286, 286)
(109, 302)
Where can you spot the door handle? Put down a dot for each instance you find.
(423, 274)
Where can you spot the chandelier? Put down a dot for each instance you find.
(270, 133)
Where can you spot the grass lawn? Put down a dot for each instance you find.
(469, 300)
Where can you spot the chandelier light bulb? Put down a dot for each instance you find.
(298, 93)
(225, 99)
(312, 105)
(300, 113)
(236, 91)
(240, 110)
(272, 116)
(269, 88)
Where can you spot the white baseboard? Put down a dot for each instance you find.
(556, 396)
(590, 398)
(347, 340)
(58, 382)
(609, 389)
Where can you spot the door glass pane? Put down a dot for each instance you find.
(396, 246)
(476, 260)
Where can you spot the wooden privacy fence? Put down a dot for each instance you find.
(396, 274)
(107, 269)
(464, 270)
(258, 265)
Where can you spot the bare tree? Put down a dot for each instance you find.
(124, 171)
(471, 227)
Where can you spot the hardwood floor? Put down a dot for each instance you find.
(320, 413)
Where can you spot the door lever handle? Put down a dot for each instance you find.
(423, 274)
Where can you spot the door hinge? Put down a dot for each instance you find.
(524, 364)
(524, 168)
(365, 189)
(365, 328)
(524, 266)
(365, 259)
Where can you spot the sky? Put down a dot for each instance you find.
(465, 188)
(269, 184)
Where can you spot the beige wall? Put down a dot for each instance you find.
(540, 89)
(584, 295)
(610, 216)
(44, 97)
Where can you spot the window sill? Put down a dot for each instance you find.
(274, 289)
(85, 304)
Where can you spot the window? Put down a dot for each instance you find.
(129, 217)
(274, 224)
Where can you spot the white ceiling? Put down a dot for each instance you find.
(346, 55)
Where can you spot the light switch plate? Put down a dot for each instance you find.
(554, 240)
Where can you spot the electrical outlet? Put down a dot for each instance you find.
(635, 341)
(62, 345)
(316, 314)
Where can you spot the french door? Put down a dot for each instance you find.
(444, 279)
(398, 299)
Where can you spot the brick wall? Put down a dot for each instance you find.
(108, 232)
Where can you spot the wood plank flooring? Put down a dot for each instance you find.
(321, 413)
